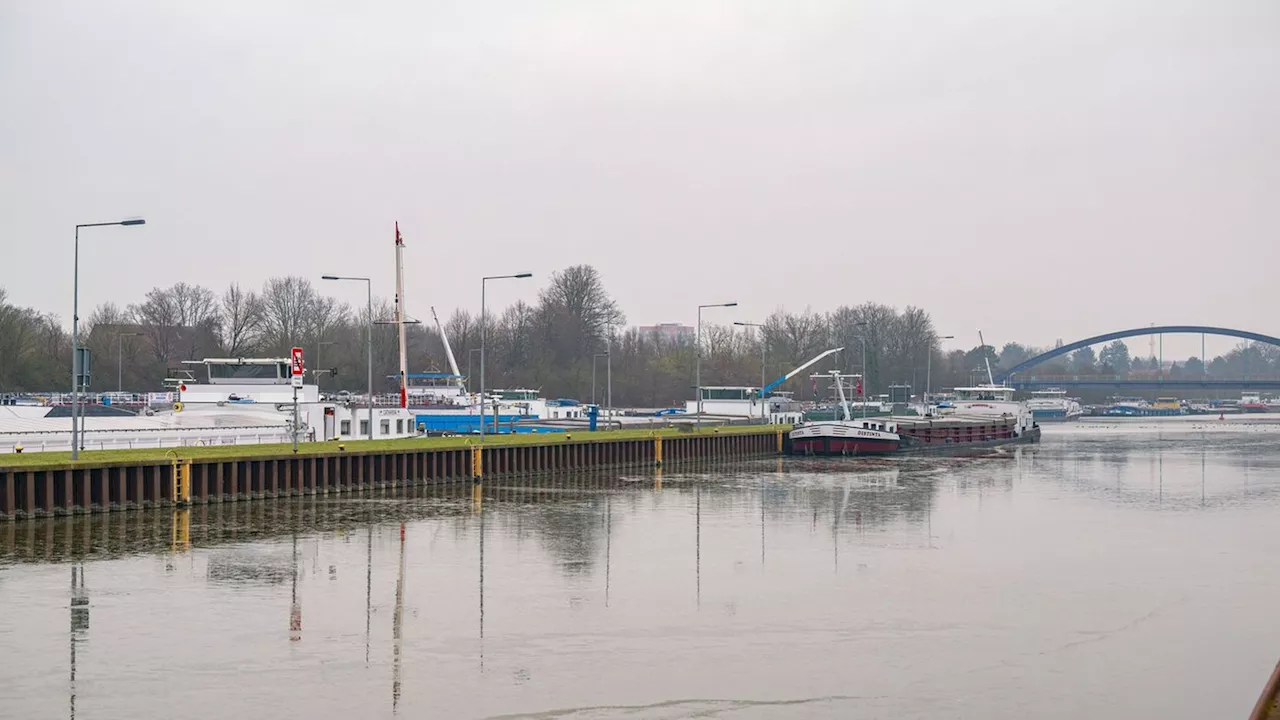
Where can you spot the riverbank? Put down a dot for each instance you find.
(51, 483)
(59, 460)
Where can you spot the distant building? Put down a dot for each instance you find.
(669, 333)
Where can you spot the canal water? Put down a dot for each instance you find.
(1114, 571)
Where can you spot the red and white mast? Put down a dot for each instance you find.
(404, 378)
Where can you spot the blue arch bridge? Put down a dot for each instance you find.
(1019, 376)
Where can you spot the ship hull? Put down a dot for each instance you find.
(842, 446)
(912, 436)
(841, 437)
(959, 448)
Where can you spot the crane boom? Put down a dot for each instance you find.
(986, 358)
(448, 351)
(793, 373)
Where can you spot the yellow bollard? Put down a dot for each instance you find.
(779, 442)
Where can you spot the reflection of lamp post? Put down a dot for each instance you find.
(120, 358)
(483, 333)
(763, 415)
(75, 333)
(928, 369)
(698, 363)
(369, 343)
(79, 622)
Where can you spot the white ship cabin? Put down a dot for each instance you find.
(1049, 394)
(744, 402)
(993, 400)
(242, 388)
(882, 424)
(239, 381)
(566, 409)
(352, 423)
(519, 401)
(984, 393)
(435, 388)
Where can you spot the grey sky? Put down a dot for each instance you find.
(1038, 169)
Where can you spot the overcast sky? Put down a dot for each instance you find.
(1040, 169)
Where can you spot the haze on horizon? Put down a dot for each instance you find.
(1040, 169)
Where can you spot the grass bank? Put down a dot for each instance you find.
(96, 458)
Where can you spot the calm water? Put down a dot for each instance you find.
(1122, 571)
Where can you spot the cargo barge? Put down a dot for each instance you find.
(982, 416)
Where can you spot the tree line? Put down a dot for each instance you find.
(573, 332)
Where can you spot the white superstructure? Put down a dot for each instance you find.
(220, 401)
(1053, 405)
(990, 400)
(744, 402)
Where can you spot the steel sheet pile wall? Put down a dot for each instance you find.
(89, 487)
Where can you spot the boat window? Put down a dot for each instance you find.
(345, 427)
(385, 428)
(364, 428)
(724, 393)
(400, 426)
(247, 371)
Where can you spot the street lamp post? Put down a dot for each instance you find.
(319, 366)
(120, 358)
(75, 333)
(595, 357)
(470, 353)
(608, 375)
(928, 370)
(698, 363)
(483, 334)
(763, 415)
(863, 340)
(369, 341)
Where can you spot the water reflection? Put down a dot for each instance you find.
(79, 626)
(814, 582)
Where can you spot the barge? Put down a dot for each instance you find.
(978, 417)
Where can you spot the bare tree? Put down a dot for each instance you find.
(181, 321)
(242, 321)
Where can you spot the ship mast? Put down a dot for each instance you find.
(404, 388)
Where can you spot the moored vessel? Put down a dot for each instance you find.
(1053, 405)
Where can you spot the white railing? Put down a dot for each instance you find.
(61, 442)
